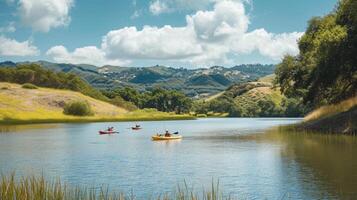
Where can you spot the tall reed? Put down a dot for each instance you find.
(38, 188)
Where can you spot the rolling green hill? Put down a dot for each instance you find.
(21, 105)
(193, 82)
(252, 99)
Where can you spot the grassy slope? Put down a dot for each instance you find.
(264, 91)
(254, 91)
(19, 105)
(269, 78)
(338, 118)
(258, 93)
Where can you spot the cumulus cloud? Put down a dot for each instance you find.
(151, 43)
(208, 38)
(274, 46)
(11, 47)
(157, 7)
(226, 19)
(88, 55)
(42, 15)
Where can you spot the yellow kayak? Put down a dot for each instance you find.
(162, 137)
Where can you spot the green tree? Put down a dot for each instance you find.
(325, 70)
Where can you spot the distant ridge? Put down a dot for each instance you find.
(193, 82)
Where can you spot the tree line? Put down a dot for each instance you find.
(37, 75)
(325, 71)
(250, 107)
(161, 99)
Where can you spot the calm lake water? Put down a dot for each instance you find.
(251, 158)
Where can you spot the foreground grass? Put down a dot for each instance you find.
(38, 188)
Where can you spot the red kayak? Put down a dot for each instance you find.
(107, 132)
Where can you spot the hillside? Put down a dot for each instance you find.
(339, 118)
(20, 105)
(257, 99)
(251, 99)
(193, 82)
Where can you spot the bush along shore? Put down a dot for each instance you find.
(38, 188)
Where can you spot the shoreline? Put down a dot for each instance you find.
(93, 120)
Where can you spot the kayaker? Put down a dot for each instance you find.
(167, 134)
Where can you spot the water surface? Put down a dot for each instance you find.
(251, 159)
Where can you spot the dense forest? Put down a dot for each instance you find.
(325, 71)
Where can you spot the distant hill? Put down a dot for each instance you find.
(193, 82)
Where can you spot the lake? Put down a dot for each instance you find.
(251, 157)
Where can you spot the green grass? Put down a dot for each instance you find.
(23, 106)
(38, 188)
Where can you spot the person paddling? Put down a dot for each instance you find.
(167, 134)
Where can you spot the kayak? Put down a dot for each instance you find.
(135, 128)
(162, 137)
(107, 132)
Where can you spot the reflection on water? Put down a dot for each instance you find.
(24, 128)
(249, 161)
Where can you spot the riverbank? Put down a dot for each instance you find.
(340, 118)
(140, 115)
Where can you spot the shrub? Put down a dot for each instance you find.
(78, 108)
(29, 86)
(120, 102)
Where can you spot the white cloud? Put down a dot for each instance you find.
(158, 7)
(42, 15)
(208, 38)
(227, 18)
(151, 43)
(274, 46)
(87, 55)
(11, 47)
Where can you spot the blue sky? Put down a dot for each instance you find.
(178, 33)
